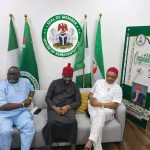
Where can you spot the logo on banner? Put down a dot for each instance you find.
(33, 80)
(61, 35)
(142, 55)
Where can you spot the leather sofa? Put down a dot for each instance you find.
(113, 130)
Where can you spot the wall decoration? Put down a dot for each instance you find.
(61, 34)
(136, 72)
(136, 107)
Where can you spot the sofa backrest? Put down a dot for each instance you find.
(85, 90)
(39, 97)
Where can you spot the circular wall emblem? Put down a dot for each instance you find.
(61, 35)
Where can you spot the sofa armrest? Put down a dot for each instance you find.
(120, 115)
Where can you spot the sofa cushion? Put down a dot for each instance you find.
(40, 121)
(83, 128)
(84, 103)
(111, 131)
(84, 99)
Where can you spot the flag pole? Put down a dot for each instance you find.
(10, 15)
(100, 15)
(25, 16)
(85, 17)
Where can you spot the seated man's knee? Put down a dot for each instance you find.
(6, 131)
(30, 126)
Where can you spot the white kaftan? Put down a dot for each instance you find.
(104, 93)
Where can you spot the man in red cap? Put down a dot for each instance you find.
(63, 98)
(137, 96)
(105, 96)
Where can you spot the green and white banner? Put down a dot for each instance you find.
(28, 65)
(135, 77)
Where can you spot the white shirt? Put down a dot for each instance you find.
(105, 92)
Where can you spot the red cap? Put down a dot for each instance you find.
(138, 88)
(113, 69)
(68, 70)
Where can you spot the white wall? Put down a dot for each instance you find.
(117, 14)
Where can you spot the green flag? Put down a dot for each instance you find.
(98, 66)
(13, 51)
(28, 65)
(82, 64)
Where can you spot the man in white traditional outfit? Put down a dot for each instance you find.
(104, 98)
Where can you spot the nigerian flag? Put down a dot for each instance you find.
(28, 64)
(13, 51)
(98, 66)
(82, 66)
